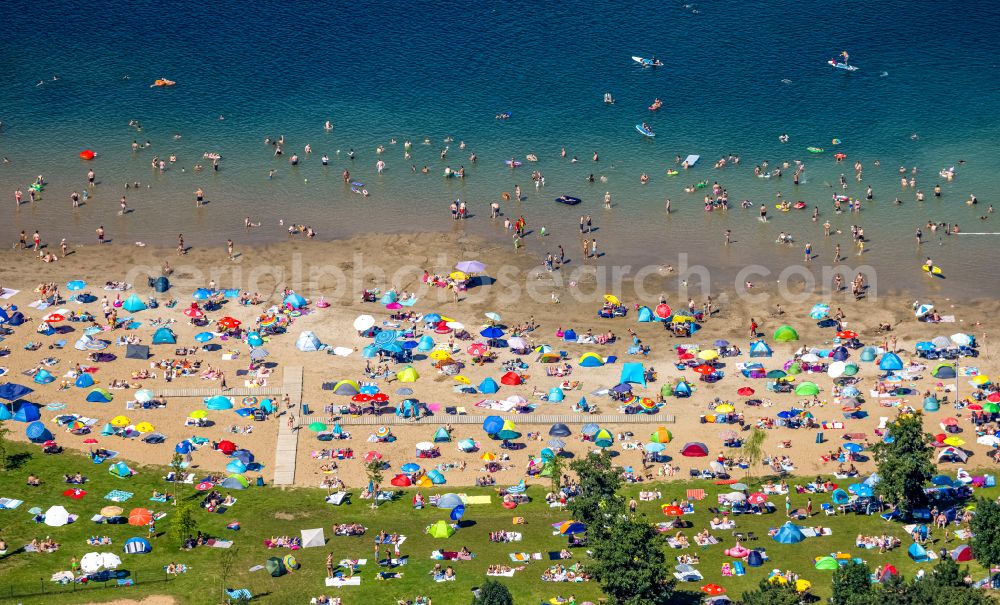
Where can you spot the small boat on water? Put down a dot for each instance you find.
(162, 83)
(654, 62)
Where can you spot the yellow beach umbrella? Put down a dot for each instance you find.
(954, 441)
(458, 276)
(611, 298)
(488, 457)
(802, 585)
(981, 379)
(144, 427)
(198, 414)
(462, 379)
(708, 354)
(680, 319)
(439, 355)
(120, 421)
(725, 408)
(446, 319)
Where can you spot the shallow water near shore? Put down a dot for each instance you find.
(734, 79)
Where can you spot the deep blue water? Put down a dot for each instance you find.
(415, 70)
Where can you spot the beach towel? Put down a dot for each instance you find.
(689, 576)
(350, 562)
(696, 494)
(7, 293)
(339, 581)
(520, 557)
(478, 499)
(505, 574)
(222, 544)
(117, 495)
(10, 503)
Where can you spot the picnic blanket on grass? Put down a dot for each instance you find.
(117, 495)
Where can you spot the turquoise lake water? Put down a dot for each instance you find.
(736, 76)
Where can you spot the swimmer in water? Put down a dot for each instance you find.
(328, 125)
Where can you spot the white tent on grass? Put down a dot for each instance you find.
(313, 538)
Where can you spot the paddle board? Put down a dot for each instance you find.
(935, 270)
(646, 62)
(691, 160)
(644, 132)
(843, 66)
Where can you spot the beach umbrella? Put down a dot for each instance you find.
(202, 294)
(725, 408)
(654, 448)
(372, 455)
(111, 511)
(478, 348)
(708, 355)
(144, 427)
(980, 380)
(776, 374)
(713, 589)
(258, 354)
(662, 311)
(194, 313)
(139, 517)
(204, 337)
(53, 318)
(852, 447)
(819, 311)
(317, 427)
(962, 340)
(144, 395)
(76, 285)
(184, 447)
(491, 332)
(440, 355)
(807, 388)
(363, 322)
(198, 414)
(382, 432)
(847, 334)
(757, 498)
(590, 429)
(745, 391)
(672, 510)
(120, 421)
(470, 266)
(230, 322)
(922, 310)
(458, 276)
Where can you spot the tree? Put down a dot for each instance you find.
(904, 464)
(985, 527)
(597, 497)
(629, 562)
(4, 431)
(753, 449)
(946, 574)
(556, 464)
(183, 523)
(852, 585)
(772, 593)
(227, 561)
(177, 465)
(493, 593)
(373, 470)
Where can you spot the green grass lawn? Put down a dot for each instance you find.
(264, 512)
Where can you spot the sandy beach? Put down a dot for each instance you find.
(520, 291)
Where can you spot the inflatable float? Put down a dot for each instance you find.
(569, 200)
(672, 172)
(647, 62)
(87, 154)
(814, 149)
(646, 132)
(512, 163)
(162, 83)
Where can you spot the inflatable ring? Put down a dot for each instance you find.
(506, 196)
(249, 401)
(295, 313)
(510, 505)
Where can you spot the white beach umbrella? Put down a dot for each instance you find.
(363, 322)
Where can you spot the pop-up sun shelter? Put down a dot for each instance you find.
(308, 341)
(789, 534)
(133, 304)
(785, 334)
(313, 538)
(164, 336)
(633, 373)
(759, 348)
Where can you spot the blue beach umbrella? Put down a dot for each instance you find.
(457, 513)
(385, 337)
(491, 332)
(854, 448)
(204, 336)
(202, 294)
(432, 318)
(76, 285)
(654, 448)
(410, 467)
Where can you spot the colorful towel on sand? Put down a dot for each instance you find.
(341, 581)
(696, 494)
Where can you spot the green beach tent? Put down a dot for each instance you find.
(785, 334)
(807, 388)
(441, 529)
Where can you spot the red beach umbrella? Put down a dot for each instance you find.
(848, 334)
(194, 312)
(53, 318)
(993, 397)
(380, 398)
(704, 369)
(745, 391)
(361, 398)
(671, 510)
(372, 455)
(663, 311)
(230, 322)
(757, 498)
(713, 589)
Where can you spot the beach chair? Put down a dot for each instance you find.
(828, 509)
